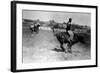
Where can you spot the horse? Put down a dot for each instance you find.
(34, 28)
(31, 28)
(63, 37)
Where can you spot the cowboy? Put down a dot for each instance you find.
(36, 25)
(68, 29)
(37, 22)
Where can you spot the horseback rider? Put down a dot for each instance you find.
(68, 30)
(37, 22)
(36, 25)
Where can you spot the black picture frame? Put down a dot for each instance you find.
(13, 35)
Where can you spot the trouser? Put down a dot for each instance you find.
(71, 35)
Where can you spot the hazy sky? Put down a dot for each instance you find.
(77, 18)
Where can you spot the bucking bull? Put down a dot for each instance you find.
(63, 37)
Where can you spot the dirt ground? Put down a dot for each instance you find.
(41, 48)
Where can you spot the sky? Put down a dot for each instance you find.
(77, 18)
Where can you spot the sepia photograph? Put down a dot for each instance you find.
(49, 36)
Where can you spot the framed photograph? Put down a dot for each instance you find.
(48, 36)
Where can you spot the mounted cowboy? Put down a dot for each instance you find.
(68, 29)
(37, 25)
(37, 22)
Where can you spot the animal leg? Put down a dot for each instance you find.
(69, 48)
(63, 49)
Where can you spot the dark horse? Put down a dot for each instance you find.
(62, 37)
(34, 28)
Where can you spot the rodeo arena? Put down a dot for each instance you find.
(49, 41)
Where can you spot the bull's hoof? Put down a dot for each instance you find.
(70, 51)
(65, 51)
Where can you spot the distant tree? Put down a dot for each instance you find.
(38, 20)
(52, 23)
